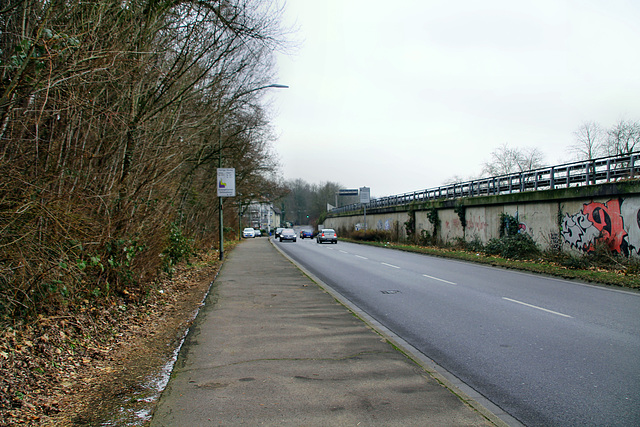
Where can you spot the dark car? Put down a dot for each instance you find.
(327, 235)
(306, 234)
(278, 231)
(288, 234)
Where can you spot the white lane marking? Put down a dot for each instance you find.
(389, 265)
(442, 280)
(536, 307)
(344, 252)
(363, 257)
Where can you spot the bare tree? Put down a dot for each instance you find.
(323, 194)
(455, 179)
(530, 158)
(506, 160)
(589, 141)
(623, 138)
(503, 160)
(308, 200)
(113, 117)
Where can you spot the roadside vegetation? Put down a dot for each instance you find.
(517, 251)
(305, 203)
(114, 116)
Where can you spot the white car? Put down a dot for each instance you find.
(248, 232)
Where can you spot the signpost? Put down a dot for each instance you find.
(365, 197)
(226, 183)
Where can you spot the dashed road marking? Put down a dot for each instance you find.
(441, 280)
(389, 265)
(536, 307)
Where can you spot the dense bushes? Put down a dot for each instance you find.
(113, 121)
(370, 235)
(600, 258)
(512, 243)
(179, 248)
(519, 246)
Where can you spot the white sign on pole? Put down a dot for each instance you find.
(365, 194)
(226, 182)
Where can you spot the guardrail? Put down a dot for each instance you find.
(587, 172)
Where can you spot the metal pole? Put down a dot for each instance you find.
(268, 220)
(220, 221)
(365, 216)
(221, 231)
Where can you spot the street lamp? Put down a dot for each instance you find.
(220, 221)
(275, 85)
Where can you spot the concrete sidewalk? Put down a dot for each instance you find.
(270, 347)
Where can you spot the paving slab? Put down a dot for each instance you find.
(271, 347)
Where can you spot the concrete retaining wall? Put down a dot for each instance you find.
(575, 218)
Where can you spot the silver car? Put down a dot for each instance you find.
(327, 235)
(288, 234)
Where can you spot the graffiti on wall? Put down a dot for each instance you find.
(386, 225)
(477, 223)
(615, 223)
(383, 226)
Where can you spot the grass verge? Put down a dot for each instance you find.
(538, 265)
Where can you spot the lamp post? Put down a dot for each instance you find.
(220, 219)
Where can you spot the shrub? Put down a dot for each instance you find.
(179, 248)
(120, 256)
(494, 247)
(633, 266)
(370, 235)
(519, 246)
(603, 257)
(573, 262)
(459, 243)
(475, 244)
(426, 239)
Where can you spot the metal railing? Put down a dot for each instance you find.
(586, 172)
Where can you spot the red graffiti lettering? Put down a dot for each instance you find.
(607, 219)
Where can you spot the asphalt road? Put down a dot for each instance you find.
(546, 351)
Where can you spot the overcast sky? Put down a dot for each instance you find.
(403, 96)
